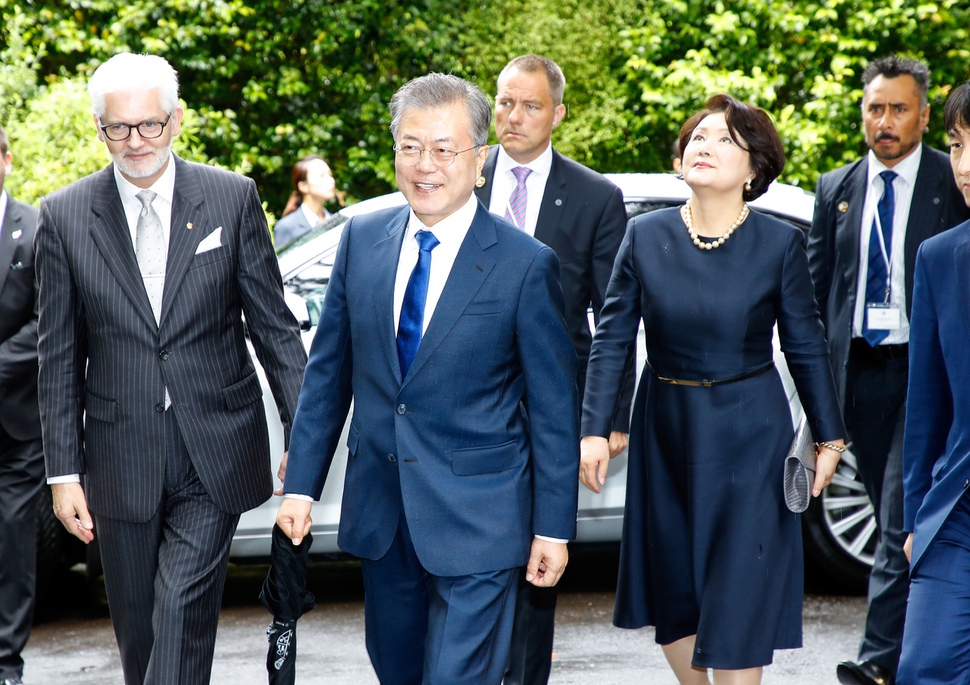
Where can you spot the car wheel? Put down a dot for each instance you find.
(839, 528)
(57, 550)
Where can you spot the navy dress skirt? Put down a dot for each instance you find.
(708, 546)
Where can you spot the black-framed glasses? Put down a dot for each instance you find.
(146, 129)
(441, 156)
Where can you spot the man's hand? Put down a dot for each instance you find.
(281, 474)
(594, 454)
(71, 509)
(546, 562)
(618, 443)
(294, 518)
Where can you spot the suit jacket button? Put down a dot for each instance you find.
(160, 407)
(391, 458)
(401, 409)
(163, 355)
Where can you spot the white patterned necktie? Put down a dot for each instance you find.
(150, 251)
(519, 200)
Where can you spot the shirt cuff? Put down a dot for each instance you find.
(60, 480)
(302, 498)
(546, 538)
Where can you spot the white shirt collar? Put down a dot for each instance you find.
(452, 228)
(907, 169)
(164, 187)
(540, 166)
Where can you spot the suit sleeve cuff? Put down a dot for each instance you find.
(546, 538)
(60, 480)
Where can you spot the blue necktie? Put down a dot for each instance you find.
(878, 271)
(412, 309)
(520, 197)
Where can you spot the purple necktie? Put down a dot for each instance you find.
(515, 212)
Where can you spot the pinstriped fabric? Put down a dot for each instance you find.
(102, 353)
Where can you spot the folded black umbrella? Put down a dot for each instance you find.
(285, 595)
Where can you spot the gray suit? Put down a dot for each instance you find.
(102, 354)
(21, 453)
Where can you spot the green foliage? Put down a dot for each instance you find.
(270, 81)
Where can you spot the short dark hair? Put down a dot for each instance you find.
(754, 126)
(4, 143)
(956, 112)
(893, 66)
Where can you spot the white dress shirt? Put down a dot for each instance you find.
(903, 186)
(504, 182)
(3, 205)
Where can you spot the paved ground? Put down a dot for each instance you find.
(75, 644)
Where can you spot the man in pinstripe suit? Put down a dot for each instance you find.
(153, 422)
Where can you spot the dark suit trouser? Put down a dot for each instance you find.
(936, 646)
(164, 578)
(530, 656)
(21, 478)
(423, 629)
(874, 418)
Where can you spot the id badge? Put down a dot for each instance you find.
(882, 317)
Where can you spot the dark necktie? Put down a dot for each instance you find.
(877, 279)
(519, 199)
(412, 308)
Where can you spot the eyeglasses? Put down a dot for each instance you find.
(146, 129)
(441, 156)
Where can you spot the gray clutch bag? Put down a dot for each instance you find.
(800, 469)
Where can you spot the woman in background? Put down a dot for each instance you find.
(313, 186)
(710, 554)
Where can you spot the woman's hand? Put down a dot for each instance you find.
(594, 459)
(825, 463)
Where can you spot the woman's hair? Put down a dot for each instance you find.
(752, 125)
(956, 111)
(299, 174)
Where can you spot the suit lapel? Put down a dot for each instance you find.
(484, 192)
(851, 195)
(961, 265)
(553, 202)
(12, 222)
(111, 234)
(471, 268)
(929, 198)
(386, 255)
(183, 240)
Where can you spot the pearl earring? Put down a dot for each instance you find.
(747, 185)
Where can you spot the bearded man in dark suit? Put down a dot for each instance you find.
(152, 412)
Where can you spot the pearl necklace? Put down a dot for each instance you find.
(688, 217)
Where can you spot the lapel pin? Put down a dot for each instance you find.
(480, 182)
(190, 225)
(843, 207)
(558, 202)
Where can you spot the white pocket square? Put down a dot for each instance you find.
(210, 242)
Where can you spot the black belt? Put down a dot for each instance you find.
(705, 383)
(863, 349)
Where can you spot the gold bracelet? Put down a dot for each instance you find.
(838, 448)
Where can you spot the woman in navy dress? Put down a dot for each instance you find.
(710, 554)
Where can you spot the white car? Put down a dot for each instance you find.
(839, 530)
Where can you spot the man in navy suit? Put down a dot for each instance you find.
(21, 451)
(870, 218)
(936, 448)
(579, 214)
(445, 326)
(154, 428)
